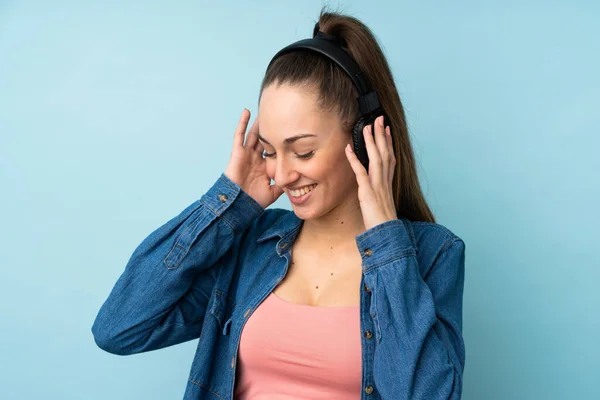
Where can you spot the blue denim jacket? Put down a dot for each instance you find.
(204, 272)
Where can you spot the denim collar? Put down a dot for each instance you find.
(288, 225)
(286, 228)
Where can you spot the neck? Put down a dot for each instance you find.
(337, 228)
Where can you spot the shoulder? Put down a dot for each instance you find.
(430, 232)
(436, 242)
(269, 218)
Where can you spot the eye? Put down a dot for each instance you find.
(305, 156)
(302, 156)
(265, 154)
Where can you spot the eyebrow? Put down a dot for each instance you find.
(290, 140)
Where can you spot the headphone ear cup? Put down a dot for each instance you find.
(358, 140)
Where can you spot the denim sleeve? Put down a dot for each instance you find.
(161, 297)
(426, 310)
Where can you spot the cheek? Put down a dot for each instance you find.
(343, 172)
(329, 166)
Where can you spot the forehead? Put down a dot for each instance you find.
(286, 110)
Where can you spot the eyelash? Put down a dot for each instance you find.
(302, 156)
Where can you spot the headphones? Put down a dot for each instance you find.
(369, 107)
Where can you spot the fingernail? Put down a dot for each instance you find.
(349, 148)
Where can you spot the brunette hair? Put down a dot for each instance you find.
(305, 68)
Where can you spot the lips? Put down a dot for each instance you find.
(301, 199)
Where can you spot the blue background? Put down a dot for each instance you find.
(115, 115)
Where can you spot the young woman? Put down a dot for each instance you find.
(355, 294)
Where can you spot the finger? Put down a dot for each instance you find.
(252, 136)
(380, 137)
(359, 170)
(392, 157)
(259, 148)
(238, 136)
(373, 153)
(276, 191)
(382, 147)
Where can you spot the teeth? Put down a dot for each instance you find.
(302, 191)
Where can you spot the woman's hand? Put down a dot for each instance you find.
(247, 167)
(375, 188)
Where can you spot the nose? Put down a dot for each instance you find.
(285, 173)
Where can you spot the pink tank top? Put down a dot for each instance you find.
(293, 351)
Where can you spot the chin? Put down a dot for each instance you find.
(304, 213)
(313, 211)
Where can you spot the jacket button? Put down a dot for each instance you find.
(223, 198)
(367, 289)
(368, 252)
(368, 334)
(369, 389)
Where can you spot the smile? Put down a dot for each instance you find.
(302, 191)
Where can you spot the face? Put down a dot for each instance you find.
(304, 150)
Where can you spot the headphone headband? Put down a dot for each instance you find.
(324, 44)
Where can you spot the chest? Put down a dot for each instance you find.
(322, 277)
